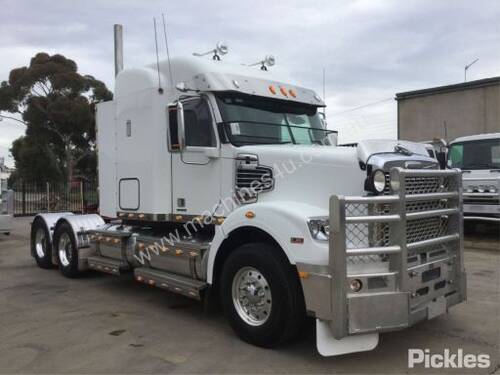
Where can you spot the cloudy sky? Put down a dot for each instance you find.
(369, 49)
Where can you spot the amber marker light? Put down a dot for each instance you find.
(303, 274)
(292, 92)
(250, 214)
(272, 89)
(283, 91)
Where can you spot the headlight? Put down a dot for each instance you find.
(379, 181)
(355, 285)
(492, 189)
(319, 228)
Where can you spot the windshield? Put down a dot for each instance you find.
(483, 154)
(249, 119)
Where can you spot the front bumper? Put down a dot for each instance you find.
(482, 211)
(405, 249)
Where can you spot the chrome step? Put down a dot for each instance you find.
(106, 265)
(175, 283)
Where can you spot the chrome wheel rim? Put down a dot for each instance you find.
(65, 249)
(40, 243)
(252, 297)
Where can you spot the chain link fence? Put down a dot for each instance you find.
(31, 198)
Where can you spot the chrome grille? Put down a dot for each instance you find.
(258, 179)
(424, 229)
(429, 184)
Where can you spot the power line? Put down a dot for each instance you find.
(363, 106)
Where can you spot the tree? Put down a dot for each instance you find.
(57, 106)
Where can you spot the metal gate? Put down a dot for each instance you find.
(31, 198)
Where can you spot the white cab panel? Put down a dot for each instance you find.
(106, 143)
(142, 154)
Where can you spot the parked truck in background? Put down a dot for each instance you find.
(6, 208)
(478, 157)
(220, 181)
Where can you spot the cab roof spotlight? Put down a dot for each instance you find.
(268, 61)
(220, 50)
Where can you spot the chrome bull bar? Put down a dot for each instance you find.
(403, 251)
(386, 232)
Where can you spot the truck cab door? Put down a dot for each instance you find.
(196, 167)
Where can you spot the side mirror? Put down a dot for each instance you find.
(322, 117)
(181, 131)
(333, 138)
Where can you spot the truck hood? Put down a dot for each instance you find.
(312, 173)
(309, 174)
(378, 146)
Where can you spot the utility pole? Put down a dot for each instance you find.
(445, 128)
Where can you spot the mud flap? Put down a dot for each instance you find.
(329, 346)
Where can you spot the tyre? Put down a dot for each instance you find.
(261, 295)
(41, 247)
(66, 250)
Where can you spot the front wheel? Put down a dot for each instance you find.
(261, 295)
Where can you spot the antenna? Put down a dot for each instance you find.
(160, 90)
(324, 95)
(168, 53)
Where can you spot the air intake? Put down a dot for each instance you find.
(251, 178)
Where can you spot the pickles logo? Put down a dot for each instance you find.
(447, 359)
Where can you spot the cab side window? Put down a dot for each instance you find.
(198, 124)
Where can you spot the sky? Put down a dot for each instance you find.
(369, 49)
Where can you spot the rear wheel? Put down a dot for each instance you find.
(66, 250)
(41, 247)
(261, 295)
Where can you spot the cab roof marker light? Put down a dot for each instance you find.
(283, 91)
(272, 89)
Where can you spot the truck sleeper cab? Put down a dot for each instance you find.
(225, 184)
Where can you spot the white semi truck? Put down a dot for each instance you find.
(479, 158)
(218, 180)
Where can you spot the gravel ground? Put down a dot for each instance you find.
(106, 324)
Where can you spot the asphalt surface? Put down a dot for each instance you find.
(107, 324)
